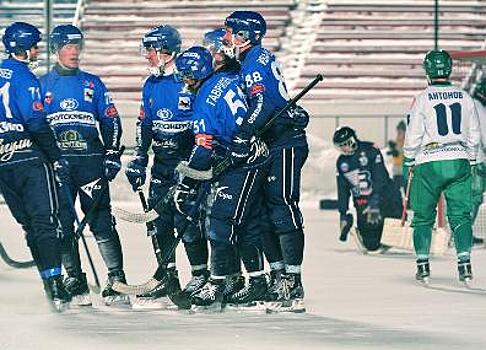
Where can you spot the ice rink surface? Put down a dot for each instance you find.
(353, 302)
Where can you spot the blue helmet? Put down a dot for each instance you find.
(20, 37)
(213, 40)
(248, 24)
(163, 38)
(65, 34)
(195, 63)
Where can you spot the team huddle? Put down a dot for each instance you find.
(210, 115)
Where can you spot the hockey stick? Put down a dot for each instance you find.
(149, 285)
(70, 200)
(141, 218)
(14, 263)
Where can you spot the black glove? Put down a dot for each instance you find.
(373, 215)
(112, 164)
(345, 225)
(184, 194)
(239, 150)
(300, 118)
(61, 171)
(135, 173)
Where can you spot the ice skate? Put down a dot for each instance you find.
(251, 297)
(209, 298)
(158, 298)
(287, 296)
(57, 294)
(195, 283)
(77, 287)
(232, 285)
(112, 297)
(465, 272)
(423, 272)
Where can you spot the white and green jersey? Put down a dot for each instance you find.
(443, 124)
(482, 126)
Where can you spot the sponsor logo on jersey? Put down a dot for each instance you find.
(69, 104)
(256, 89)
(72, 140)
(264, 58)
(37, 106)
(167, 144)
(6, 73)
(6, 127)
(171, 127)
(88, 94)
(164, 114)
(90, 187)
(111, 112)
(184, 103)
(221, 194)
(8, 149)
(48, 98)
(204, 140)
(344, 167)
(88, 84)
(71, 117)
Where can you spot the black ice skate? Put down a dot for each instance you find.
(169, 286)
(465, 272)
(112, 297)
(287, 295)
(195, 283)
(232, 284)
(423, 271)
(252, 295)
(209, 297)
(77, 286)
(57, 294)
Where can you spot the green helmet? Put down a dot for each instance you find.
(438, 64)
(479, 91)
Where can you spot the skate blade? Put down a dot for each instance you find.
(425, 282)
(359, 244)
(294, 306)
(118, 301)
(150, 304)
(59, 306)
(254, 306)
(215, 307)
(82, 300)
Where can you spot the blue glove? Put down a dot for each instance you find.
(239, 150)
(61, 171)
(300, 118)
(111, 164)
(135, 173)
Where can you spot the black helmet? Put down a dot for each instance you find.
(344, 136)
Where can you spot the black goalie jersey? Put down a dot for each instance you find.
(364, 176)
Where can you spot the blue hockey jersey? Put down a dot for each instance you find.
(165, 121)
(76, 103)
(219, 110)
(24, 132)
(266, 92)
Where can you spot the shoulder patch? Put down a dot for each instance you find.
(37, 106)
(111, 112)
(256, 89)
(344, 167)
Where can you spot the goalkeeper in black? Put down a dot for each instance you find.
(362, 174)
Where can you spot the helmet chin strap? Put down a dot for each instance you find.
(235, 50)
(160, 69)
(27, 60)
